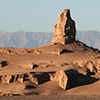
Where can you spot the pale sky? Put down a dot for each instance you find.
(41, 15)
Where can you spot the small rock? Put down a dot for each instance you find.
(33, 78)
(21, 80)
(91, 66)
(6, 79)
(30, 65)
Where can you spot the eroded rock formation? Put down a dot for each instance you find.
(64, 28)
(37, 78)
(52, 68)
(61, 78)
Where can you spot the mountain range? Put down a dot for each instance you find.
(20, 39)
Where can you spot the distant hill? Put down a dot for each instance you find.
(24, 39)
(35, 39)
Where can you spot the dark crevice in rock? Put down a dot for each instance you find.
(65, 51)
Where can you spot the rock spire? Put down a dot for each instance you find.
(64, 28)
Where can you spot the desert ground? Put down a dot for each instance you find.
(64, 69)
(31, 71)
(53, 97)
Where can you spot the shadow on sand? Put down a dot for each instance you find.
(76, 79)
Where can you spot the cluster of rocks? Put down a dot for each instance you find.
(66, 79)
(37, 78)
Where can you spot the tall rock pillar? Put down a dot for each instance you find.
(64, 28)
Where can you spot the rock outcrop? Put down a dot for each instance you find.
(64, 28)
(37, 78)
(61, 78)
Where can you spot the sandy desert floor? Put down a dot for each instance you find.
(29, 71)
(53, 97)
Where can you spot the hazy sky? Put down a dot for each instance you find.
(41, 15)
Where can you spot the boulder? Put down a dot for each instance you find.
(61, 78)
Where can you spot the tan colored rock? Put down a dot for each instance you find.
(97, 65)
(15, 78)
(8, 94)
(20, 78)
(59, 39)
(6, 79)
(61, 78)
(64, 28)
(91, 66)
(33, 78)
(30, 65)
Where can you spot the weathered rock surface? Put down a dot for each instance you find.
(37, 78)
(64, 28)
(61, 78)
(6, 79)
(91, 66)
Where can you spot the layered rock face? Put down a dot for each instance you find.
(64, 28)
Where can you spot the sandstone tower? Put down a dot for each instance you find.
(64, 28)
